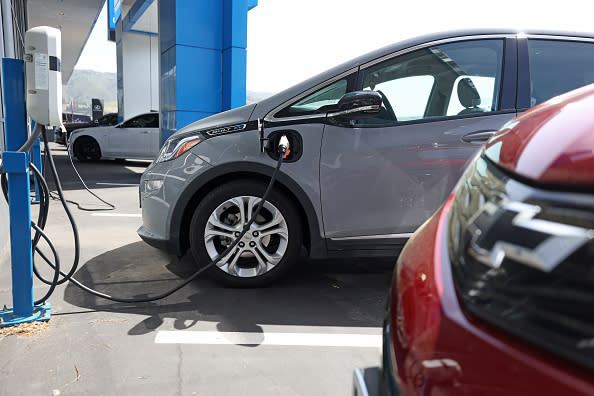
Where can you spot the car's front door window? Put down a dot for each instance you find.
(439, 81)
(403, 98)
(485, 88)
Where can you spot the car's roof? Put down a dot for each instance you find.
(269, 103)
(263, 107)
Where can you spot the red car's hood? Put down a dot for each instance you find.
(552, 143)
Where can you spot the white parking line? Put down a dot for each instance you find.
(117, 184)
(116, 214)
(285, 339)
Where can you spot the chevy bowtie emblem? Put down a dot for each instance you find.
(495, 229)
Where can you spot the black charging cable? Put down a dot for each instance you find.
(283, 148)
(37, 132)
(54, 196)
(79, 206)
(54, 173)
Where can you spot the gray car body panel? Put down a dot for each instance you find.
(321, 180)
(399, 179)
(226, 155)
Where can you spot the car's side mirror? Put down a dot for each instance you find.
(357, 105)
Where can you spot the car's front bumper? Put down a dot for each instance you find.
(59, 137)
(438, 348)
(378, 381)
(160, 189)
(168, 245)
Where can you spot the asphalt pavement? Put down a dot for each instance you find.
(301, 336)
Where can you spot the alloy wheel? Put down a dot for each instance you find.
(260, 249)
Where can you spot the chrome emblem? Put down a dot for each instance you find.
(227, 129)
(562, 240)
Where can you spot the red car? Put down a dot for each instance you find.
(494, 295)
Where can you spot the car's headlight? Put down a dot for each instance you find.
(523, 259)
(177, 145)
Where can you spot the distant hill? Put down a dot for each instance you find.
(87, 84)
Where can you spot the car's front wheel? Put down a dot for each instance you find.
(87, 149)
(266, 251)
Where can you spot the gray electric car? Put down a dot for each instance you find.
(356, 182)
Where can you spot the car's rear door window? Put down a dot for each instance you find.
(453, 79)
(558, 66)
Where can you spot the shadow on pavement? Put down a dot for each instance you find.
(345, 293)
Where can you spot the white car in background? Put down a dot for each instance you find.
(135, 138)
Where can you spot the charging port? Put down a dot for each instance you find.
(295, 145)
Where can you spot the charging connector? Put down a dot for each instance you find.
(286, 143)
(283, 146)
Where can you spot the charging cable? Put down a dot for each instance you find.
(37, 131)
(283, 148)
(110, 206)
(23, 149)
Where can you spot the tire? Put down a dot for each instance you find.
(262, 258)
(87, 149)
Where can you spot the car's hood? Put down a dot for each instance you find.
(92, 130)
(78, 132)
(552, 143)
(230, 117)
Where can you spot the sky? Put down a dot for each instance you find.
(291, 40)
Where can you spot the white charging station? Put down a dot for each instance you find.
(40, 81)
(43, 49)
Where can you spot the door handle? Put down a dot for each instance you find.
(478, 136)
(144, 132)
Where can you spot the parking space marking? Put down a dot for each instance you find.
(116, 214)
(117, 184)
(278, 339)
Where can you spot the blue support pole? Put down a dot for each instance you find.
(16, 165)
(15, 113)
(209, 36)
